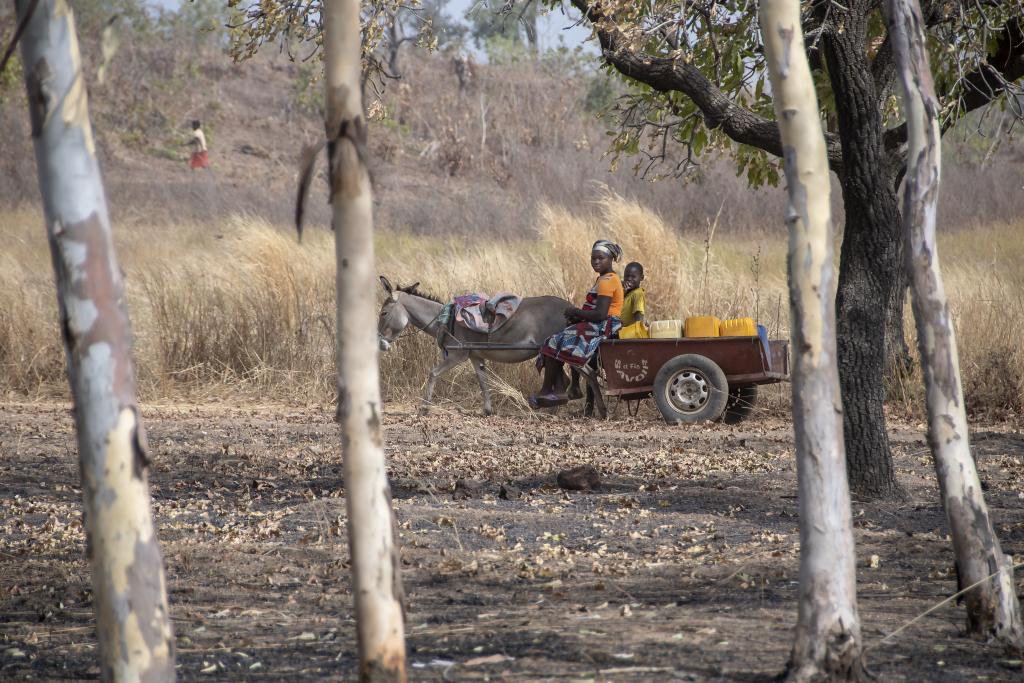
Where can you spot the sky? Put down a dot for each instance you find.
(554, 29)
(551, 29)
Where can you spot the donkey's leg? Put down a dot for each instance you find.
(481, 377)
(574, 387)
(593, 386)
(588, 408)
(446, 364)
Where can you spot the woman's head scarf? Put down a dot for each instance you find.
(609, 247)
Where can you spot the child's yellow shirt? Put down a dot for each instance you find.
(634, 303)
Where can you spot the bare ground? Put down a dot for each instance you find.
(682, 567)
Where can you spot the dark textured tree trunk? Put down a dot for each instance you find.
(870, 260)
(395, 40)
(528, 18)
(897, 352)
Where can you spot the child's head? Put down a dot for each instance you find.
(195, 124)
(632, 276)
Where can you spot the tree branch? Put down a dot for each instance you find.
(934, 12)
(674, 75)
(990, 80)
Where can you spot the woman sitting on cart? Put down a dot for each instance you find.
(596, 320)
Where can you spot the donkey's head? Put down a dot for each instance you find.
(394, 317)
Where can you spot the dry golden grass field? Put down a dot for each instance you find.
(237, 307)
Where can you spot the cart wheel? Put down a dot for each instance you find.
(690, 388)
(740, 404)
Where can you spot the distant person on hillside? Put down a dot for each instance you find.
(200, 157)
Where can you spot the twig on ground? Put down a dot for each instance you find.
(938, 605)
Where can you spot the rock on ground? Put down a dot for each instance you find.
(581, 478)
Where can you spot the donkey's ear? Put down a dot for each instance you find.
(386, 284)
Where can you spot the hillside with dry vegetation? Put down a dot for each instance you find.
(525, 131)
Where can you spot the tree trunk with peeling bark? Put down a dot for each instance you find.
(129, 589)
(376, 575)
(992, 606)
(828, 640)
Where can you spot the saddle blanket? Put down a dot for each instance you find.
(480, 313)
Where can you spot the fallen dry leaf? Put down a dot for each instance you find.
(488, 659)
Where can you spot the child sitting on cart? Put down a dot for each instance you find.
(634, 305)
(596, 320)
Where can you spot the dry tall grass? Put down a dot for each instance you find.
(240, 308)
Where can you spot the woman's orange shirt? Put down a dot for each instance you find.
(610, 285)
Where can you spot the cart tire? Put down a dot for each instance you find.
(690, 388)
(740, 404)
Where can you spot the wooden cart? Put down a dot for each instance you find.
(691, 379)
(694, 379)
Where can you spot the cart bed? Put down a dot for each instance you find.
(630, 365)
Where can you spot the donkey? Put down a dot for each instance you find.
(536, 319)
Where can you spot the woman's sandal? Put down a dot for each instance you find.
(547, 400)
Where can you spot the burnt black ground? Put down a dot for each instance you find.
(683, 566)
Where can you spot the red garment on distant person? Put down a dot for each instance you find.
(199, 160)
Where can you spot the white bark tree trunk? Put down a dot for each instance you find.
(992, 607)
(375, 567)
(828, 639)
(130, 595)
